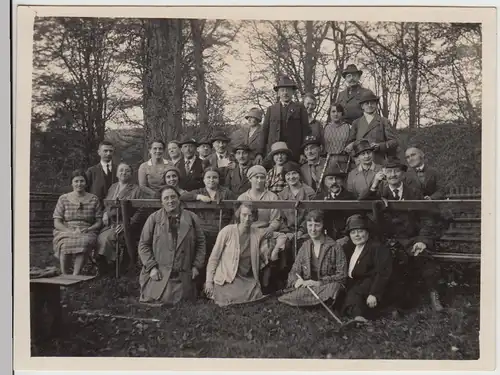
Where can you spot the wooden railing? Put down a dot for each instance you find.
(465, 226)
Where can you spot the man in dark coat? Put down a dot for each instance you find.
(102, 175)
(221, 158)
(349, 98)
(426, 177)
(312, 168)
(236, 179)
(285, 121)
(410, 234)
(190, 167)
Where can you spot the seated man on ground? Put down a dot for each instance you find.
(239, 254)
(320, 264)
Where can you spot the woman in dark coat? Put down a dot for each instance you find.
(369, 269)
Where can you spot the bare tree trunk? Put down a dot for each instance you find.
(412, 86)
(309, 58)
(196, 33)
(162, 85)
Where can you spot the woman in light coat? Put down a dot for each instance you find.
(240, 252)
(172, 251)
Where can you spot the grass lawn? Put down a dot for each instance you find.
(267, 329)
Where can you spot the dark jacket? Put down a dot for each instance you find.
(372, 271)
(194, 178)
(409, 226)
(292, 128)
(235, 182)
(349, 99)
(334, 220)
(431, 185)
(211, 161)
(98, 184)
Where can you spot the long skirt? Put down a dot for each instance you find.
(242, 290)
(303, 297)
(73, 242)
(169, 291)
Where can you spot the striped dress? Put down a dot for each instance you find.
(76, 215)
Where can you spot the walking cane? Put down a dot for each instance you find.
(323, 173)
(117, 243)
(322, 303)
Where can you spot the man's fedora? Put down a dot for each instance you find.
(285, 81)
(311, 140)
(220, 136)
(243, 147)
(334, 170)
(394, 162)
(188, 140)
(205, 141)
(368, 96)
(351, 68)
(360, 146)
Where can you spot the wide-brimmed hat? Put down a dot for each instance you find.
(255, 170)
(368, 96)
(351, 68)
(188, 140)
(242, 146)
(334, 170)
(277, 147)
(220, 136)
(311, 140)
(360, 146)
(394, 162)
(291, 166)
(285, 81)
(205, 141)
(255, 113)
(357, 222)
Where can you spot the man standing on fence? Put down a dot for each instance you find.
(409, 234)
(102, 175)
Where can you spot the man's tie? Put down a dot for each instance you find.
(396, 194)
(108, 170)
(188, 165)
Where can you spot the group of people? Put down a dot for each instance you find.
(346, 259)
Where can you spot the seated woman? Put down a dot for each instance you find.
(239, 254)
(212, 192)
(370, 267)
(320, 264)
(77, 219)
(112, 231)
(151, 173)
(172, 251)
(280, 154)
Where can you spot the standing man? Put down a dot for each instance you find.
(191, 167)
(102, 175)
(285, 121)
(349, 98)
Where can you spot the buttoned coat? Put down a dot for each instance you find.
(359, 181)
(96, 180)
(349, 99)
(335, 220)
(194, 178)
(235, 182)
(296, 128)
(305, 172)
(431, 186)
(378, 131)
(156, 250)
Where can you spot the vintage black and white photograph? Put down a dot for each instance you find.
(242, 188)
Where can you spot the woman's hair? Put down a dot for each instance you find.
(156, 141)
(79, 173)
(255, 212)
(168, 187)
(124, 163)
(338, 107)
(211, 169)
(310, 96)
(315, 215)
